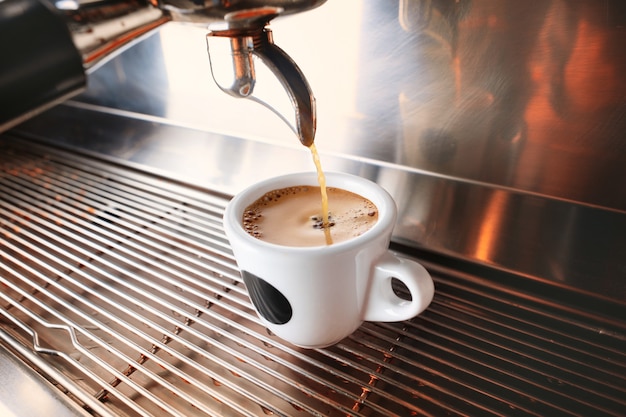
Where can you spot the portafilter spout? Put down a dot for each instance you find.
(236, 41)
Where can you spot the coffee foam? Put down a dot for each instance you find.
(292, 216)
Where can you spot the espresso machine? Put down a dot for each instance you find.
(497, 126)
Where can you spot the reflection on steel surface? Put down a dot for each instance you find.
(518, 94)
(578, 245)
(25, 394)
(497, 126)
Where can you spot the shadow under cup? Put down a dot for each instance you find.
(315, 296)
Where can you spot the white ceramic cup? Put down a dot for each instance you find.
(315, 296)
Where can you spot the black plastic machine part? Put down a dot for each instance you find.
(39, 63)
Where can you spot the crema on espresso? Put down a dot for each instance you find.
(293, 216)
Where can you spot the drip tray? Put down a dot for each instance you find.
(120, 288)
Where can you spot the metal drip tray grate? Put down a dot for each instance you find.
(120, 287)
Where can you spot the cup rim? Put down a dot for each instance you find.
(233, 214)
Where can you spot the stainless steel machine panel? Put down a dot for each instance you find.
(496, 126)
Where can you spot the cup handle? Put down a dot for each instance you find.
(383, 304)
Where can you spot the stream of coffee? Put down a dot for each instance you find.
(321, 179)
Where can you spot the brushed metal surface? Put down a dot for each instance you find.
(497, 127)
(528, 95)
(576, 245)
(24, 393)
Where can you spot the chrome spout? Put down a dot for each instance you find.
(232, 46)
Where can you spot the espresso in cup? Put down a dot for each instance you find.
(293, 216)
(314, 296)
